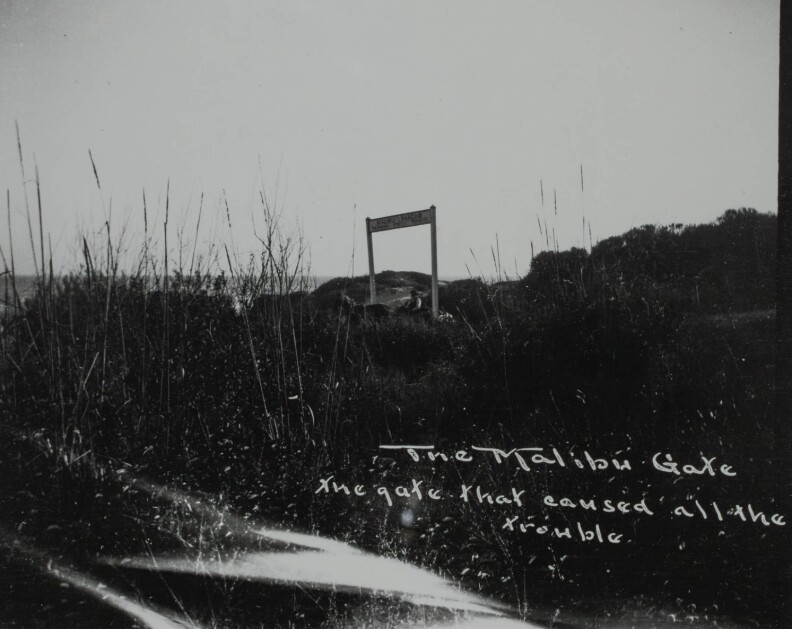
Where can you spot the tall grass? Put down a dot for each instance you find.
(179, 353)
(111, 361)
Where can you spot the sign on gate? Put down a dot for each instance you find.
(423, 217)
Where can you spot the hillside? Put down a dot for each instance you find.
(727, 265)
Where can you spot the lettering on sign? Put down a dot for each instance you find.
(397, 221)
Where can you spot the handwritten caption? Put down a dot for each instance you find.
(521, 509)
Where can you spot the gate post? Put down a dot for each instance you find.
(435, 304)
(372, 282)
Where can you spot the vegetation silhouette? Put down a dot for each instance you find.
(659, 338)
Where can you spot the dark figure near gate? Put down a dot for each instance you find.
(416, 307)
(361, 312)
(415, 302)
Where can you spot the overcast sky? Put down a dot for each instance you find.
(354, 109)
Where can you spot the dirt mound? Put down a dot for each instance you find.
(393, 287)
